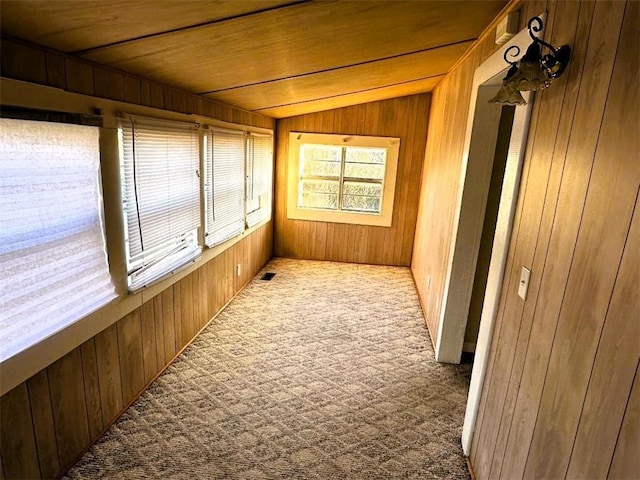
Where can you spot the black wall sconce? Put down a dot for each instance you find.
(533, 71)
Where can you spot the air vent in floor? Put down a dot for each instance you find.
(267, 276)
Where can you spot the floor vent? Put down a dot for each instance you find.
(267, 276)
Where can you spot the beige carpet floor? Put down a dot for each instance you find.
(324, 372)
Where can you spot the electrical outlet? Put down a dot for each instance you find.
(238, 269)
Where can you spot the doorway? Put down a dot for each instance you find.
(494, 156)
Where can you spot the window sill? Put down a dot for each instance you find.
(331, 216)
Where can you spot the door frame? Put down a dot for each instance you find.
(453, 327)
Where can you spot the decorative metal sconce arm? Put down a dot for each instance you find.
(533, 71)
(555, 62)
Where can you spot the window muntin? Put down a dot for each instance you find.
(161, 197)
(346, 179)
(52, 245)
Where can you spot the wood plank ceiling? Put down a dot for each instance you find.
(280, 58)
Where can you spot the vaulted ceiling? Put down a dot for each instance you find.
(279, 58)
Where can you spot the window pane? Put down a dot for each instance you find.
(361, 204)
(363, 197)
(319, 200)
(52, 250)
(320, 186)
(320, 161)
(362, 189)
(319, 194)
(365, 163)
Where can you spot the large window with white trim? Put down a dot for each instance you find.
(52, 245)
(224, 185)
(344, 179)
(161, 197)
(237, 182)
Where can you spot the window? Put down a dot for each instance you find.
(224, 185)
(344, 179)
(259, 173)
(52, 246)
(161, 197)
(237, 185)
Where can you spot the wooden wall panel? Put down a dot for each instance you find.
(92, 387)
(32, 63)
(557, 399)
(131, 354)
(69, 407)
(149, 339)
(17, 439)
(43, 424)
(107, 355)
(404, 117)
(626, 461)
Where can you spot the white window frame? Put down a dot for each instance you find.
(382, 219)
(211, 234)
(256, 209)
(152, 264)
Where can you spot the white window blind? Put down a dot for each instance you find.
(224, 185)
(52, 249)
(161, 197)
(259, 175)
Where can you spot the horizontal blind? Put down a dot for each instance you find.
(161, 197)
(260, 158)
(224, 185)
(52, 248)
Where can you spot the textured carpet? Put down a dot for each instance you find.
(324, 372)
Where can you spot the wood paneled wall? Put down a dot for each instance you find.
(560, 397)
(53, 417)
(404, 117)
(35, 64)
(48, 421)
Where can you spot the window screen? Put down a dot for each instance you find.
(52, 247)
(161, 197)
(224, 185)
(259, 178)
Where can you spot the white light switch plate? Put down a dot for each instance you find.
(524, 283)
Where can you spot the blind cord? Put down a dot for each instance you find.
(135, 181)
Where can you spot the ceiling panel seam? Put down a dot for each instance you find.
(258, 110)
(342, 67)
(188, 27)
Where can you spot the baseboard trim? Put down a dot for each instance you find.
(424, 311)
